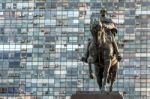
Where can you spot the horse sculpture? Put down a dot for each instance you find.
(101, 54)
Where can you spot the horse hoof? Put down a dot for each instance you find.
(110, 90)
(102, 91)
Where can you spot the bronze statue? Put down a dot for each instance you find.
(102, 51)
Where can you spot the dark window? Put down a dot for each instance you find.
(5, 55)
(3, 5)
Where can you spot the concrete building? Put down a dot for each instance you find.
(42, 40)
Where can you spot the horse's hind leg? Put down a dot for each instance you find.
(113, 77)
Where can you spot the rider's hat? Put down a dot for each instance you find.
(103, 10)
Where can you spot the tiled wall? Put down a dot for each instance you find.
(41, 42)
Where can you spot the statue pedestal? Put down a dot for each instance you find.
(96, 95)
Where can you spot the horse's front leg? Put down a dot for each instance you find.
(99, 75)
(90, 71)
(106, 73)
(114, 72)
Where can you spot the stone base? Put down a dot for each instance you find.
(97, 95)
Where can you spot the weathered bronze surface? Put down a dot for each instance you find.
(102, 51)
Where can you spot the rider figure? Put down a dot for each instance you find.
(111, 32)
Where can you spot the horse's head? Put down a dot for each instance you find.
(98, 33)
(101, 34)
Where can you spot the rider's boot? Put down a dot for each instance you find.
(118, 56)
(116, 51)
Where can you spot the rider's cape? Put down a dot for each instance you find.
(109, 24)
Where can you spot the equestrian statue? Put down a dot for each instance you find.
(102, 51)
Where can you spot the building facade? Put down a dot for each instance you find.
(41, 42)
